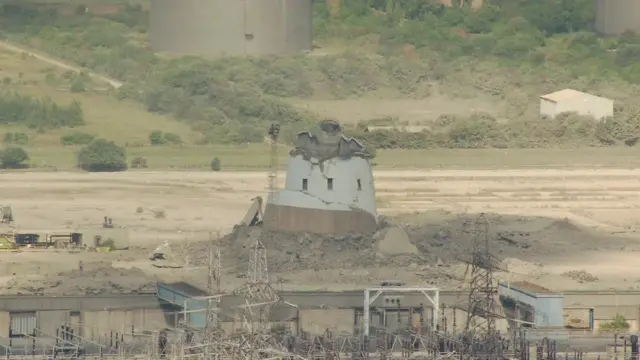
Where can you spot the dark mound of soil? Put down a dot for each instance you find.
(440, 237)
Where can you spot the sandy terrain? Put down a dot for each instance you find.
(184, 208)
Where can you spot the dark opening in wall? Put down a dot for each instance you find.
(330, 184)
(359, 185)
(305, 184)
(248, 37)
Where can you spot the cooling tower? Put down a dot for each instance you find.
(231, 27)
(329, 187)
(614, 17)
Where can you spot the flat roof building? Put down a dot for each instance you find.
(569, 100)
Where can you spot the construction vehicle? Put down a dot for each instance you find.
(254, 214)
(6, 244)
(32, 240)
(22, 239)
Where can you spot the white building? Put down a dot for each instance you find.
(329, 186)
(569, 100)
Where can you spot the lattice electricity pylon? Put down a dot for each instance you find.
(259, 296)
(258, 271)
(480, 330)
(212, 325)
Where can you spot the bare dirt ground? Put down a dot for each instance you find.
(588, 240)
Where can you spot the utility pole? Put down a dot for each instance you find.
(274, 133)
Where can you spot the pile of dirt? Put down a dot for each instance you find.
(580, 276)
(105, 280)
(439, 237)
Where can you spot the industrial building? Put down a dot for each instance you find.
(223, 27)
(329, 186)
(615, 17)
(569, 100)
(532, 305)
(27, 320)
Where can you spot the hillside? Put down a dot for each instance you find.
(468, 78)
(104, 115)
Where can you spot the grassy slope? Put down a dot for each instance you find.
(125, 121)
(130, 123)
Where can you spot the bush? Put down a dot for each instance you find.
(156, 138)
(215, 164)
(76, 138)
(171, 138)
(102, 156)
(13, 158)
(619, 323)
(17, 138)
(78, 84)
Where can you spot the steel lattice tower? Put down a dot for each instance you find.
(480, 328)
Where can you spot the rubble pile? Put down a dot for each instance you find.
(580, 276)
(438, 238)
(104, 280)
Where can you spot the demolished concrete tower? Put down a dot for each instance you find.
(329, 187)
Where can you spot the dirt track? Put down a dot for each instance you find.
(185, 207)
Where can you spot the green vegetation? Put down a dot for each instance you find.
(215, 164)
(484, 131)
(16, 138)
(76, 138)
(509, 51)
(41, 114)
(102, 156)
(617, 324)
(157, 137)
(13, 157)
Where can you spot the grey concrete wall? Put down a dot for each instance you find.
(223, 27)
(99, 323)
(344, 195)
(614, 17)
(316, 321)
(578, 318)
(49, 321)
(5, 323)
(601, 298)
(343, 208)
(295, 219)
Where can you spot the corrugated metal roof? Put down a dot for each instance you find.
(565, 94)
